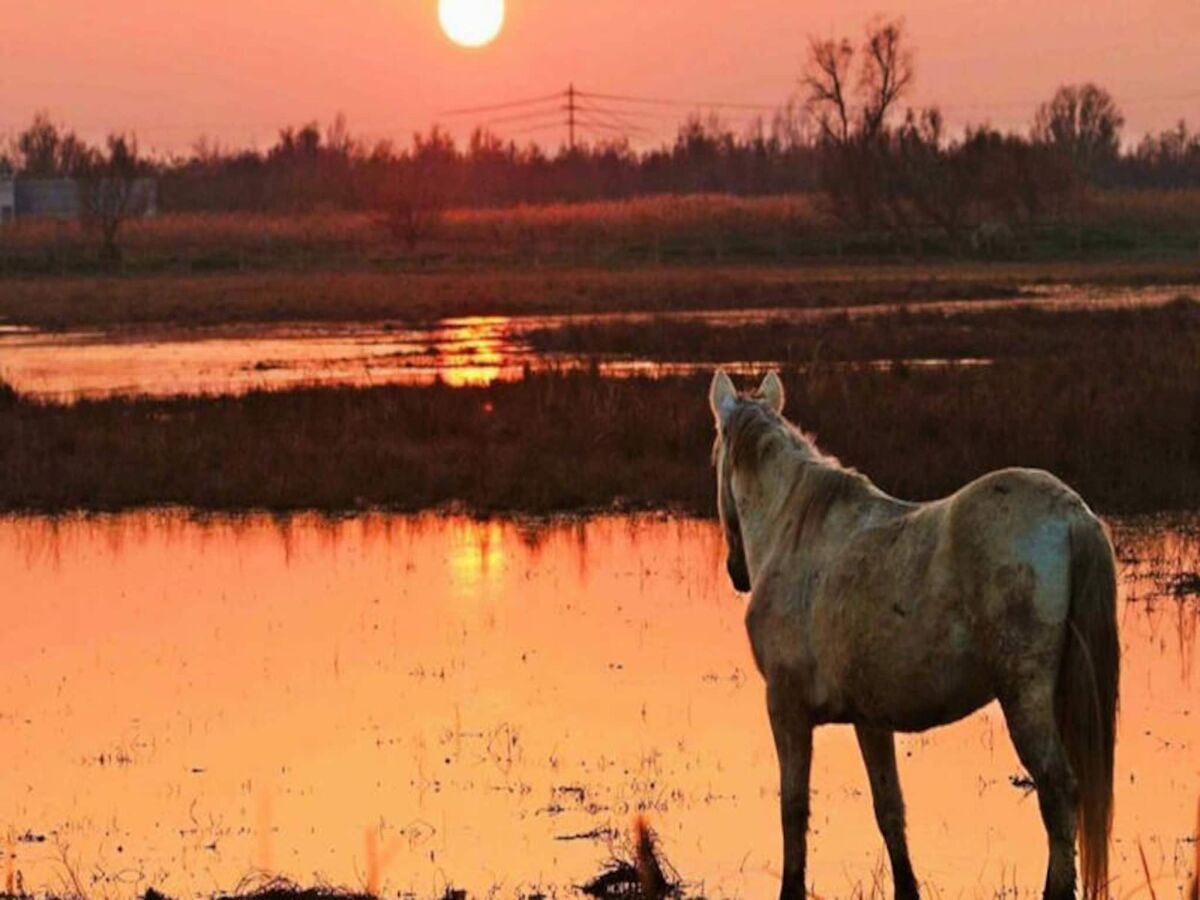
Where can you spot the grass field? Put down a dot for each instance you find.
(666, 229)
(653, 253)
(272, 297)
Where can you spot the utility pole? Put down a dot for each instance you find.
(571, 115)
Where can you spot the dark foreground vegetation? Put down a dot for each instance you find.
(1116, 413)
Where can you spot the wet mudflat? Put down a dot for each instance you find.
(399, 703)
(478, 350)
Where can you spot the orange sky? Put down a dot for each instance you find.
(237, 70)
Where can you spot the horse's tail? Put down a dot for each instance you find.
(1087, 693)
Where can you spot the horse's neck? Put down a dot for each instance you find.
(780, 519)
(770, 515)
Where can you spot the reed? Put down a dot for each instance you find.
(1125, 432)
(1010, 332)
(696, 228)
(1194, 887)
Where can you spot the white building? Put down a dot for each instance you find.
(8, 198)
(59, 198)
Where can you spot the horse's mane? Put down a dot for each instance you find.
(755, 434)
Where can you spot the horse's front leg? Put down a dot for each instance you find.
(879, 753)
(792, 727)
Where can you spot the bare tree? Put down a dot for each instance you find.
(417, 191)
(852, 106)
(857, 108)
(1083, 122)
(109, 191)
(887, 73)
(412, 207)
(827, 83)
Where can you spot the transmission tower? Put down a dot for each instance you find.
(571, 114)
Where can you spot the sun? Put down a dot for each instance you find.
(471, 23)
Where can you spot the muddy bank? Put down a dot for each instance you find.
(978, 331)
(370, 295)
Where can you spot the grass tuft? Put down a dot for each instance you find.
(276, 887)
(8, 394)
(1194, 889)
(641, 873)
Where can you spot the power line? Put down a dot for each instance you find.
(656, 116)
(518, 117)
(492, 107)
(610, 112)
(541, 127)
(616, 120)
(590, 123)
(660, 101)
(626, 109)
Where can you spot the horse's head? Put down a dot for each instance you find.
(724, 400)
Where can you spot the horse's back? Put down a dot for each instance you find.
(1008, 502)
(926, 615)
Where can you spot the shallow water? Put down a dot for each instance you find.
(184, 702)
(463, 351)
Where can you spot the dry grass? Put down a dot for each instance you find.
(640, 873)
(651, 229)
(1194, 888)
(1009, 332)
(702, 228)
(694, 227)
(189, 300)
(328, 296)
(1148, 208)
(278, 888)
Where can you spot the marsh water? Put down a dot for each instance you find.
(404, 703)
(462, 351)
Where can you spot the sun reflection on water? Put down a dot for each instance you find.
(477, 555)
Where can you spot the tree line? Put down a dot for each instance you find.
(880, 165)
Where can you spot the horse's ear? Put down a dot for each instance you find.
(721, 396)
(771, 390)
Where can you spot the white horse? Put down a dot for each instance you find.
(896, 616)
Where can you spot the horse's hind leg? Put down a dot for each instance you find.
(1034, 730)
(879, 753)
(793, 743)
